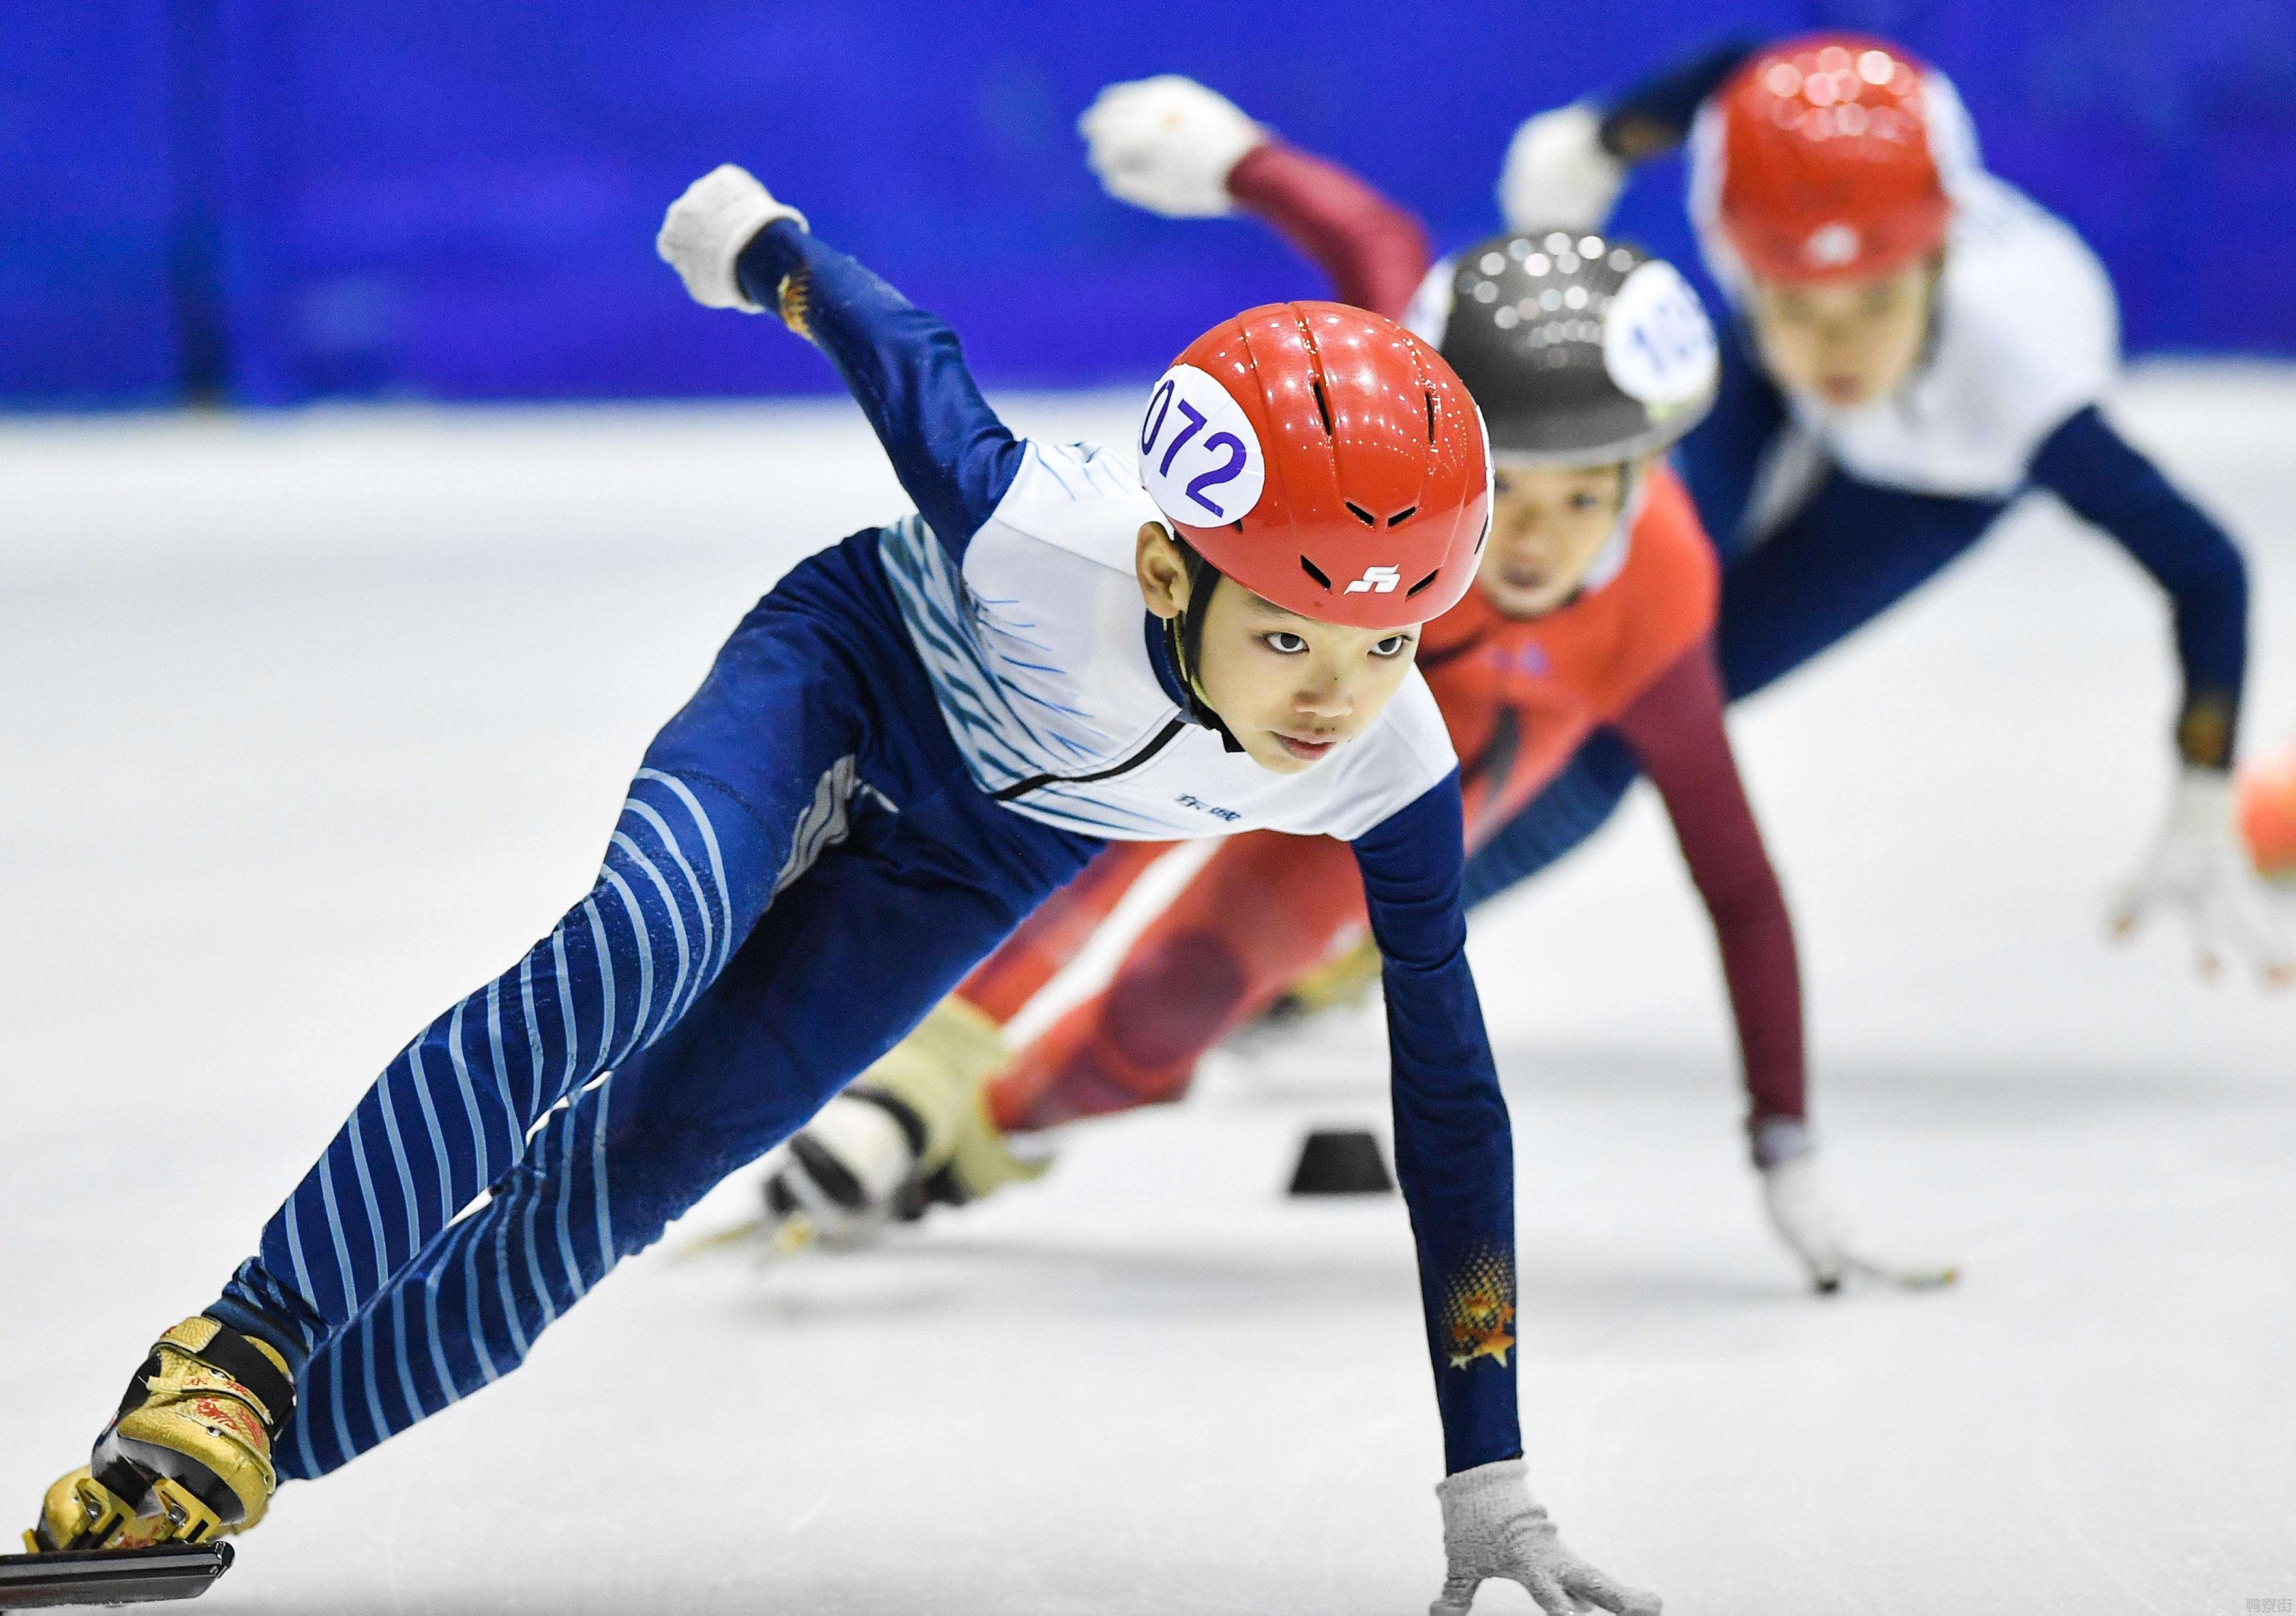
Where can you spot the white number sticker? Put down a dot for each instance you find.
(1657, 343)
(1199, 458)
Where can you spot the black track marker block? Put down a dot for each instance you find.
(1341, 1162)
(120, 1576)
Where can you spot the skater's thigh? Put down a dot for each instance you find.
(1269, 906)
(1854, 552)
(848, 958)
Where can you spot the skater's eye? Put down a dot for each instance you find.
(1393, 645)
(1283, 643)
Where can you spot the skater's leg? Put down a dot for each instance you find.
(1048, 939)
(739, 791)
(1854, 552)
(681, 881)
(1576, 803)
(1265, 908)
(844, 962)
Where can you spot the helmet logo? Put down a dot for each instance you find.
(1832, 245)
(1657, 343)
(1200, 458)
(1376, 580)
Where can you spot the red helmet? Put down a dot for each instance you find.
(1325, 459)
(1828, 166)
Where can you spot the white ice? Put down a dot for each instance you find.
(310, 723)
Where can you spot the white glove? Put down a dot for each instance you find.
(2199, 868)
(1492, 1527)
(1166, 144)
(1808, 1217)
(1557, 173)
(1812, 1224)
(707, 227)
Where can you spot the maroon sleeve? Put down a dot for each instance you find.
(1375, 252)
(1676, 729)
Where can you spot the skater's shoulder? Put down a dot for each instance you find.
(1078, 497)
(2026, 308)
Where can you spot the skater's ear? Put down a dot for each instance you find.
(1162, 570)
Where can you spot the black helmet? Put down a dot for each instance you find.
(1581, 350)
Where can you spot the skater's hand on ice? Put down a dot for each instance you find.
(1557, 172)
(2198, 869)
(1813, 1224)
(1492, 1528)
(1166, 144)
(706, 228)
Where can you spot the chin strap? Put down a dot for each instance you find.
(1180, 636)
(1183, 640)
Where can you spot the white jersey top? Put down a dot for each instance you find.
(2026, 332)
(1038, 654)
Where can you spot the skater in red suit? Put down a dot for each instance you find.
(1595, 608)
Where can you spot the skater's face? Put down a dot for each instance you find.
(1290, 689)
(1548, 523)
(1846, 342)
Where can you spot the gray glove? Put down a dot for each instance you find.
(1492, 1527)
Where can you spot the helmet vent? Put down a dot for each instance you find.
(1314, 571)
(1360, 514)
(1322, 405)
(1430, 415)
(1402, 516)
(1421, 584)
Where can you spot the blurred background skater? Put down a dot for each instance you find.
(1594, 611)
(1915, 343)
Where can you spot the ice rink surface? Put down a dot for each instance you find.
(310, 723)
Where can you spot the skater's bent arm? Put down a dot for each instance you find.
(2103, 480)
(1675, 730)
(904, 367)
(1453, 1152)
(1375, 251)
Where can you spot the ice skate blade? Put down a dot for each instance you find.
(119, 1576)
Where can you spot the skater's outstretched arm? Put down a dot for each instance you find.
(2104, 480)
(735, 246)
(1453, 1152)
(1174, 147)
(1677, 732)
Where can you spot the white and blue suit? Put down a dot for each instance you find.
(1826, 518)
(917, 737)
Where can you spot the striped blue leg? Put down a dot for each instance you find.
(686, 874)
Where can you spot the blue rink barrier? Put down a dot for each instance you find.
(289, 199)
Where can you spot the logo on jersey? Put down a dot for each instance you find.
(1200, 459)
(1189, 799)
(1657, 343)
(1376, 580)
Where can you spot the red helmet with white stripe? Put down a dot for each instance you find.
(1829, 170)
(1325, 459)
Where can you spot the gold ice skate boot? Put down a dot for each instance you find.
(188, 1457)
